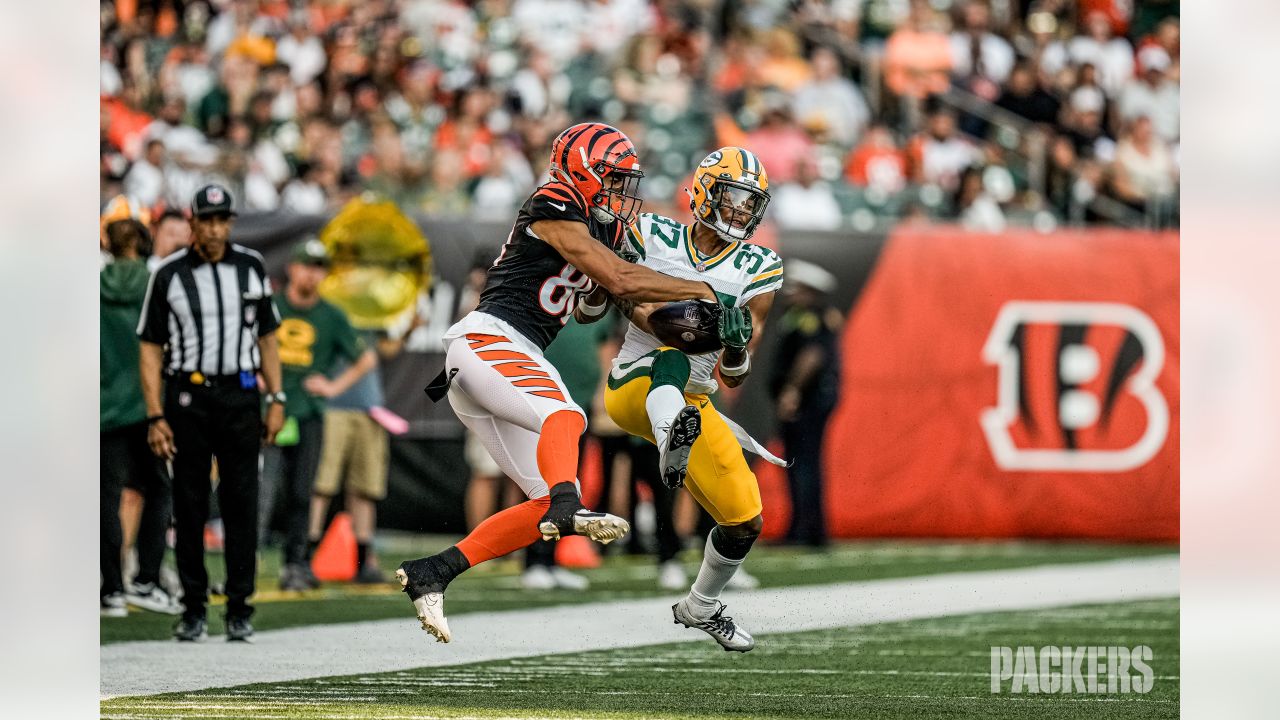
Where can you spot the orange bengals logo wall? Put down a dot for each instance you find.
(1011, 385)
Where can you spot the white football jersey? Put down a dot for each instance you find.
(741, 270)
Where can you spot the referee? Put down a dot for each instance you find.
(207, 330)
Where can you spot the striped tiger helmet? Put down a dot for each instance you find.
(600, 162)
(730, 192)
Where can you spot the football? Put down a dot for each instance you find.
(688, 326)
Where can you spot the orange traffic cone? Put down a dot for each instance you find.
(335, 558)
(575, 551)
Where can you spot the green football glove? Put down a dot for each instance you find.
(735, 328)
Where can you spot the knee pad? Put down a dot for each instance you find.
(735, 541)
(670, 367)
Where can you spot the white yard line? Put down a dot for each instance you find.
(148, 668)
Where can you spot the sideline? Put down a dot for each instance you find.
(153, 667)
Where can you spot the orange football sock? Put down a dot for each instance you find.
(505, 532)
(558, 447)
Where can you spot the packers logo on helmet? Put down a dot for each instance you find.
(730, 192)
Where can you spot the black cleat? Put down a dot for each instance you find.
(191, 630)
(424, 582)
(567, 516)
(674, 457)
(239, 630)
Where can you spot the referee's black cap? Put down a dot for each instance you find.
(211, 201)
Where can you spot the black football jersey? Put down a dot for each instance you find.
(530, 285)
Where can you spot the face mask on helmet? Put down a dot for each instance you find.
(619, 197)
(736, 209)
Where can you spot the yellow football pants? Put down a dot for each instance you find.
(719, 477)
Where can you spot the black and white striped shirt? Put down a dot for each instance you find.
(210, 315)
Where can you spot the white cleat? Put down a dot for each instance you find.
(673, 458)
(671, 576)
(537, 577)
(567, 580)
(716, 624)
(430, 608)
(601, 527)
(743, 580)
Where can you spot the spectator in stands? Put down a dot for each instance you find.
(1061, 175)
(1083, 124)
(1024, 97)
(980, 59)
(145, 180)
(807, 203)
(779, 141)
(805, 385)
(447, 195)
(1144, 166)
(1113, 56)
(877, 162)
(304, 194)
(939, 155)
(1151, 94)
(783, 67)
(499, 192)
(313, 79)
(832, 100)
(301, 51)
(917, 58)
(975, 206)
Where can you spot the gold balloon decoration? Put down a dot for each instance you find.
(381, 261)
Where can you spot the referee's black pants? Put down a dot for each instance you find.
(225, 422)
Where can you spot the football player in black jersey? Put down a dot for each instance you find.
(563, 245)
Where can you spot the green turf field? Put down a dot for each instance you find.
(495, 586)
(934, 668)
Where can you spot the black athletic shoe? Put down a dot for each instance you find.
(567, 516)
(239, 630)
(191, 629)
(424, 582)
(674, 460)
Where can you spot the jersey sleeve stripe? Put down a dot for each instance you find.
(767, 274)
(769, 268)
(773, 278)
(637, 240)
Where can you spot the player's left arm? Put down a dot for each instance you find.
(739, 363)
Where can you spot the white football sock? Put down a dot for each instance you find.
(714, 574)
(663, 404)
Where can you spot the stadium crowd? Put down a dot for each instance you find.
(983, 111)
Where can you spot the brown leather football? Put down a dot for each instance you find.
(689, 326)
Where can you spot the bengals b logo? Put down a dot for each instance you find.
(1076, 387)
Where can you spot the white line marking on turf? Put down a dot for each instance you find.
(148, 668)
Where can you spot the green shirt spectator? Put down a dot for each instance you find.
(311, 341)
(122, 287)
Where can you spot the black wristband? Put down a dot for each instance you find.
(153, 419)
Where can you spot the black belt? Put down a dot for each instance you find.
(199, 378)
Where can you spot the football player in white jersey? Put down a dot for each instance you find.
(660, 393)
